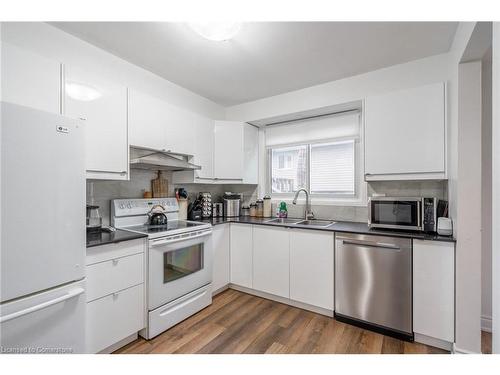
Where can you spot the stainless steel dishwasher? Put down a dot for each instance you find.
(373, 283)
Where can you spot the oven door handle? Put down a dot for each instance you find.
(180, 237)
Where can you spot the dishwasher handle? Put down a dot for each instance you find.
(381, 245)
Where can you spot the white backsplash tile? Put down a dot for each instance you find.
(140, 181)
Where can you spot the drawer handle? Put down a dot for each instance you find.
(115, 262)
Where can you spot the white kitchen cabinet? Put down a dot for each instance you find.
(204, 138)
(271, 260)
(434, 289)
(115, 293)
(154, 123)
(29, 79)
(146, 121)
(250, 154)
(228, 151)
(405, 134)
(241, 244)
(221, 258)
(311, 267)
(102, 106)
(235, 152)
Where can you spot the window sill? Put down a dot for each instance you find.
(322, 201)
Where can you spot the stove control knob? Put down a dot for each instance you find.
(129, 205)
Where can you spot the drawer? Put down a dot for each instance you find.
(113, 275)
(102, 253)
(114, 317)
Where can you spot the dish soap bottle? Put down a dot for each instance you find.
(282, 210)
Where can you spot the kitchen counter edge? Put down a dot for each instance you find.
(105, 238)
(338, 226)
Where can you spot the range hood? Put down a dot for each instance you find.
(159, 160)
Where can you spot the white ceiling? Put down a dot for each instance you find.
(265, 58)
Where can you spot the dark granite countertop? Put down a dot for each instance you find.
(104, 238)
(338, 226)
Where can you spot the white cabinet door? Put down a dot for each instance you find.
(241, 254)
(251, 154)
(146, 121)
(228, 153)
(434, 289)
(179, 129)
(204, 139)
(221, 265)
(29, 79)
(405, 134)
(271, 260)
(102, 106)
(311, 267)
(154, 123)
(114, 317)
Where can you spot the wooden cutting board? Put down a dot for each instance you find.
(159, 186)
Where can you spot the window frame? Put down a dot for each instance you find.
(359, 198)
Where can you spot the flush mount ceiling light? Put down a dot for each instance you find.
(79, 91)
(216, 31)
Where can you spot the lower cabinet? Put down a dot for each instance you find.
(271, 259)
(114, 317)
(434, 289)
(311, 267)
(221, 266)
(241, 244)
(115, 293)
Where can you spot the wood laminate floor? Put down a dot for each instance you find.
(237, 322)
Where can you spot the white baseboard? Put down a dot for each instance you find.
(220, 290)
(458, 350)
(431, 341)
(486, 323)
(286, 301)
(119, 344)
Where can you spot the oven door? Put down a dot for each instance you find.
(178, 265)
(395, 213)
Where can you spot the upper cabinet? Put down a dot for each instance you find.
(157, 124)
(30, 80)
(227, 152)
(236, 152)
(203, 138)
(102, 106)
(405, 134)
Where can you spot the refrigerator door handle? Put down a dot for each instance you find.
(71, 294)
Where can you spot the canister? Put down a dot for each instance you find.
(253, 209)
(260, 208)
(267, 206)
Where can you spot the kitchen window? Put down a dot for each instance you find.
(322, 154)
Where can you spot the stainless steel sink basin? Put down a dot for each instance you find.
(283, 220)
(316, 223)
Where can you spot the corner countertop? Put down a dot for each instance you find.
(338, 226)
(104, 238)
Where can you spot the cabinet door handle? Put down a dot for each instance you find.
(83, 118)
(122, 173)
(115, 262)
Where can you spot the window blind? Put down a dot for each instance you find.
(343, 125)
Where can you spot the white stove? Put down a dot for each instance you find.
(132, 215)
(179, 261)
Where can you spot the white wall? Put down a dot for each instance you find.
(412, 74)
(46, 40)
(496, 189)
(486, 234)
(468, 250)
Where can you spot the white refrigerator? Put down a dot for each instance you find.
(42, 254)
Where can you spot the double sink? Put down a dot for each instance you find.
(309, 223)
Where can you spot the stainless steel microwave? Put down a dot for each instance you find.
(407, 213)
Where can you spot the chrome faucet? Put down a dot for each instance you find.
(308, 214)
